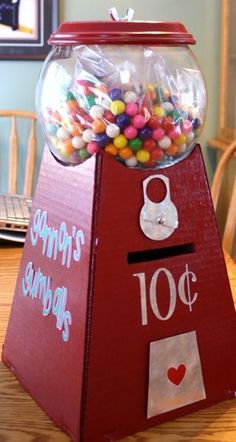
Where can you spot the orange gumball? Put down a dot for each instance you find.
(67, 149)
(76, 129)
(125, 153)
(98, 126)
(111, 149)
(172, 150)
(72, 105)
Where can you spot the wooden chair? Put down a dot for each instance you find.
(230, 223)
(14, 150)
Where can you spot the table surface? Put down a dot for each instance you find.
(22, 420)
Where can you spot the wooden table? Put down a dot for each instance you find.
(21, 420)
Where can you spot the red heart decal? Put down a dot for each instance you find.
(176, 375)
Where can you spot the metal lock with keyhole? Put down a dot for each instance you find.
(158, 220)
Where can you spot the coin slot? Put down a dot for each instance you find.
(157, 254)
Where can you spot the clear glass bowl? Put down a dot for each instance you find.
(143, 104)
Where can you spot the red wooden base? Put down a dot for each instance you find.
(94, 292)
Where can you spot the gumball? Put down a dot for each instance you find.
(154, 122)
(149, 145)
(131, 109)
(98, 126)
(111, 149)
(131, 162)
(174, 133)
(145, 133)
(88, 135)
(171, 150)
(78, 142)
(182, 148)
(84, 154)
(112, 130)
(125, 153)
(90, 99)
(135, 144)
(122, 120)
(76, 129)
(120, 141)
(165, 142)
(130, 132)
(72, 105)
(130, 97)
(109, 117)
(157, 154)
(102, 139)
(180, 140)
(96, 111)
(115, 94)
(139, 121)
(117, 107)
(196, 123)
(167, 106)
(186, 126)
(190, 137)
(143, 156)
(67, 148)
(159, 112)
(93, 147)
(158, 134)
(167, 124)
(62, 133)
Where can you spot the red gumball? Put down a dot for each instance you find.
(168, 124)
(149, 145)
(154, 122)
(157, 154)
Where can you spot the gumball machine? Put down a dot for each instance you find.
(122, 296)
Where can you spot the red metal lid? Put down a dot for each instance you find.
(121, 32)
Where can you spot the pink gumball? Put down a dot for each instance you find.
(139, 121)
(158, 134)
(174, 133)
(186, 126)
(130, 132)
(131, 109)
(93, 147)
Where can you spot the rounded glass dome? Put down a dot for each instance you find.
(141, 100)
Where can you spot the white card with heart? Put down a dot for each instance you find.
(175, 374)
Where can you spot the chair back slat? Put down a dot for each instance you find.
(14, 143)
(30, 161)
(13, 157)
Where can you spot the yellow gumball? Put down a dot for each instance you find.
(159, 111)
(143, 156)
(180, 140)
(117, 107)
(120, 141)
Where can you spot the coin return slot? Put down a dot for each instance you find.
(157, 254)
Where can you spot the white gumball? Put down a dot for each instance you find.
(131, 162)
(164, 143)
(96, 111)
(78, 142)
(112, 130)
(130, 97)
(62, 133)
(167, 106)
(88, 135)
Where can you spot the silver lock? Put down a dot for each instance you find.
(158, 220)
